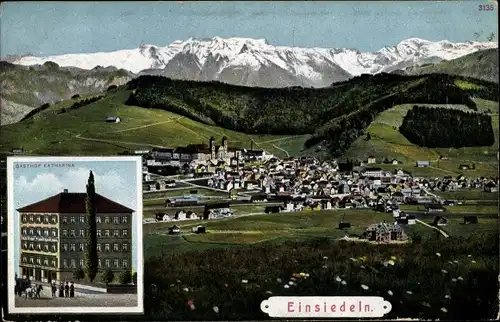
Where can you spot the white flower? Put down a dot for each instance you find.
(469, 256)
(362, 266)
(216, 309)
(444, 271)
(185, 289)
(444, 310)
(409, 292)
(325, 258)
(278, 280)
(338, 279)
(179, 281)
(391, 262)
(438, 254)
(447, 296)
(455, 261)
(453, 280)
(365, 287)
(307, 274)
(269, 292)
(286, 286)
(426, 304)
(390, 293)
(244, 281)
(385, 263)
(460, 278)
(473, 261)
(354, 259)
(344, 283)
(291, 283)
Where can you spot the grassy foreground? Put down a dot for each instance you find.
(454, 278)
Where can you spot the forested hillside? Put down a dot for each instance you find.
(335, 116)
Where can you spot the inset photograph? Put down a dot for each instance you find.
(75, 235)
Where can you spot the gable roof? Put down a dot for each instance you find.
(72, 203)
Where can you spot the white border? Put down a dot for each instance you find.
(12, 309)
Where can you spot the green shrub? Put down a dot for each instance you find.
(78, 274)
(107, 276)
(125, 277)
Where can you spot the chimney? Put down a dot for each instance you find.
(65, 191)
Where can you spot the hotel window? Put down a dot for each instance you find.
(38, 247)
(46, 262)
(54, 219)
(116, 247)
(38, 232)
(31, 246)
(106, 232)
(54, 248)
(98, 233)
(54, 263)
(125, 247)
(82, 263)
(54, 233)
(32, 218)
(106, 220)
(73, 263)
(106, 247)
(31, 232)
(124, 219)
(64, 220)
(98, 247)
(39, 219)
(99, 264)
(24, 218)
(65, 263)
(82, 219)
(46, 247)
(107, 263)
(82, 247)
(72, 219)
(116, 220)
(23, 231)
(72, 247)
(124, 232)
(46, 232)
(124, 263)
(65, 247)
(25, 259)
(32, 260)
(116, 263)
(116, 233)
(65, 233)
(98, 219)
(25, 246)
(72, 234)
(39, 261)
(82, 232)
(46, 219)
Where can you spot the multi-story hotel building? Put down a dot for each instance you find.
(53, 236)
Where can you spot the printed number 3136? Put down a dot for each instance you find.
(486, 7)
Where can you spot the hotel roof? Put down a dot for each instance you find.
(74, 203)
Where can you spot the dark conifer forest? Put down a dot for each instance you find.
(447, 128)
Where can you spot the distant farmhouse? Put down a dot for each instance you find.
(113, 119)
(423, 164)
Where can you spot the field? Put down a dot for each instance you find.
(439, 279)
(458, 209)
(83, 131)
(387, 142)
(468, 194)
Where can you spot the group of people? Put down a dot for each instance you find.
(65, 289)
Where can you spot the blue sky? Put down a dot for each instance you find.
(49, 28)
(116, 180)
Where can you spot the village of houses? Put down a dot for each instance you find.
(293, 184)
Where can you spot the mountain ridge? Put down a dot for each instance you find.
(255, 62)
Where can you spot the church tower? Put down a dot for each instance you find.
(212, 148)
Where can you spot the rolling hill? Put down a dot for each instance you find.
(481, 65)
(24, 88)
(156, 111)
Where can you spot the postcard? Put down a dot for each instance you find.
(281, 159)
(74, 235)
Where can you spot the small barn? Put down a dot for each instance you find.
(423, 164)
(385, 233)
(113, 119)
(174, 230)
(200, 229)
(439, 221)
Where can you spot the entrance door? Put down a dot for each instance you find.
(38, 275)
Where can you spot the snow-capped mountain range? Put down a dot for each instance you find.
(254, 62)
